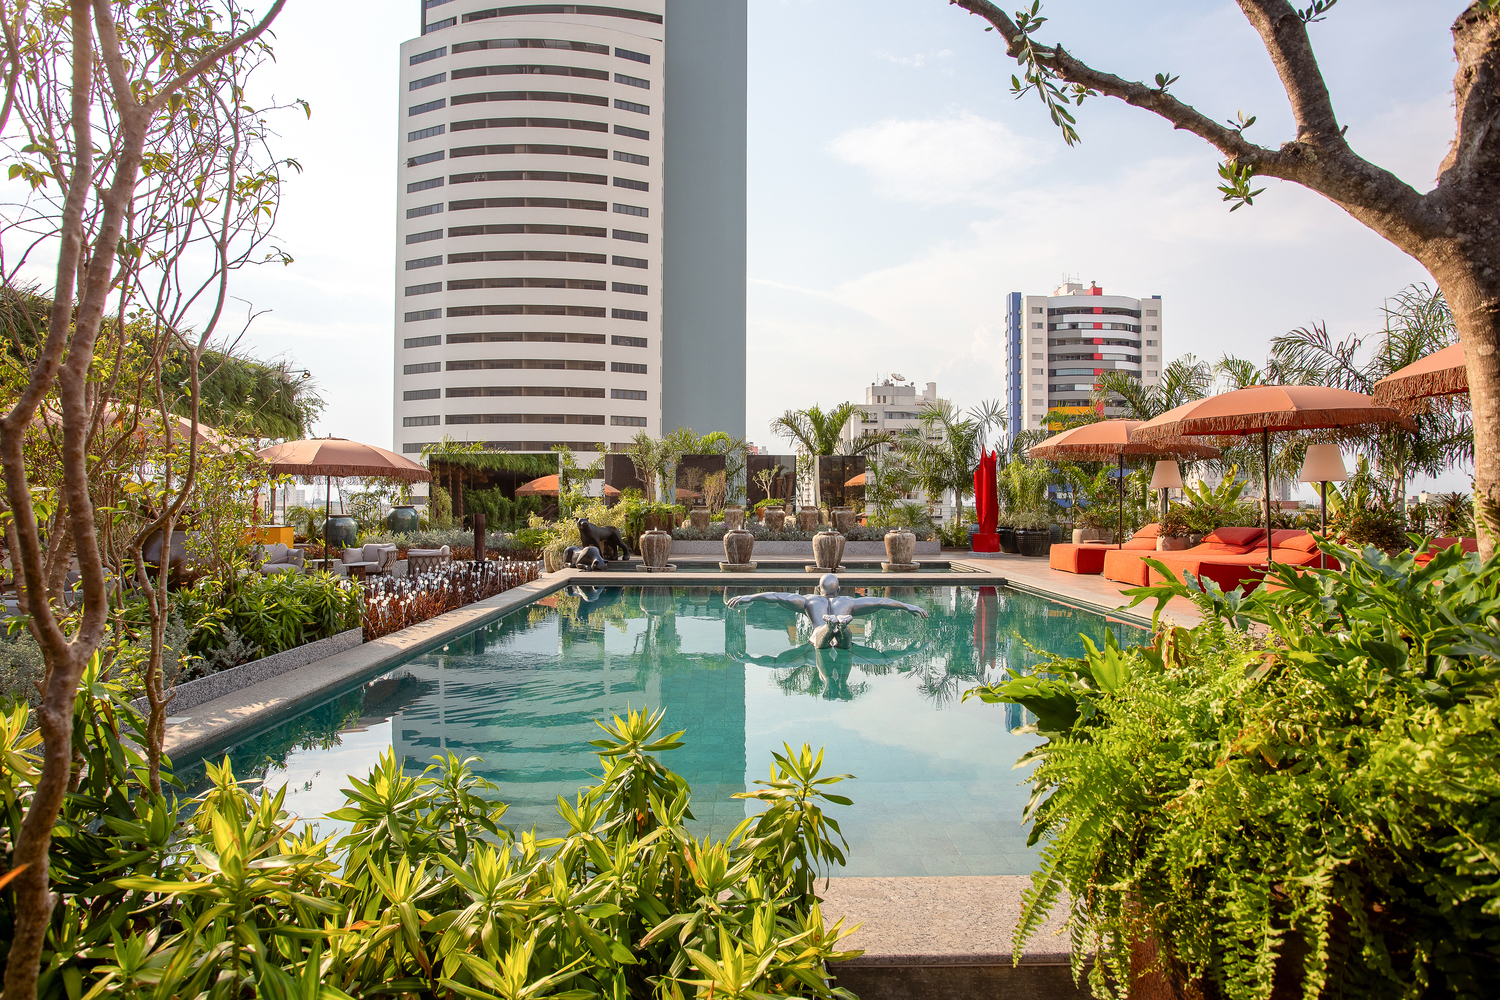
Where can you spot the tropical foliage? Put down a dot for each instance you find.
(944, 449)
(1184, 379)
(820, 432)
(1301, 787)
(428, 893)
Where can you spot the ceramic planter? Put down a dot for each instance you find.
(1033, 541)
(699, 518)
(403, 519)
(1165, 544)
(340, 532)
(807, 519)
(734, 518)
(828, 550)
(1007, 540)
(1081, 535)
(552, 560)
(656, 546)
(775, 518)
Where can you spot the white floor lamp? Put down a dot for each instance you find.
(1324, 464)
(1166, 476)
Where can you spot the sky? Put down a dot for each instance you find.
(898, 191)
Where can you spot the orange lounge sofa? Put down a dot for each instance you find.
(1439, 544)
(1235, 558)
(1087, 558)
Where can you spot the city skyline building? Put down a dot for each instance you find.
(558, 282)
(1057, 345)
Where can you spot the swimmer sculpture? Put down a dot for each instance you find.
(829, 612)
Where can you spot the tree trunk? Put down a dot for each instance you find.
(1472, 288)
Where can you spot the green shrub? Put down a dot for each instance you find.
(1319, 795)
(428, 894)
(270, 613)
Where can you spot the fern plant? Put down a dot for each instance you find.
(1311, 802)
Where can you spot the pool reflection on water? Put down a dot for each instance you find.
(935, 790)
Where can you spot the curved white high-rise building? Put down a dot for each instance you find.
(531, 307)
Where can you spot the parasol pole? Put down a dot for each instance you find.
(1265, 463)
(1120, 537)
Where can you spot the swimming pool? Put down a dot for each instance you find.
(935, 795)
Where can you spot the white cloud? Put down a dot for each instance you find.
(938, 161)
(916, 61)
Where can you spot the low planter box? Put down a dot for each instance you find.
(205, 689)
(851, 549)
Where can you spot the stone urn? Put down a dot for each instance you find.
(739, 545)
(552, 560)
(1082, 535)
(843, 519)
(1165, 544)
(699, 518)
(901, 551)
(734, 518)
(828, 552)
(403, 519)
(655, 546)
(807, 519)
(775, 518)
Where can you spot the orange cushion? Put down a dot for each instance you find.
(1148, 531)
(1139, 544)
(1126, 566)
(1222, 549)
(1304, 541)
(1237, 536)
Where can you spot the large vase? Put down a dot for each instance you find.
(775, 518)
(807, 519)
(552, 560)
(900, 547)
(843, 520)
(699, 517)
(1007, 540)
(340, 532)
(656, 546)
(403, 520)
(828, 551)
(739, 547)
(1033, 541)
(734, 518)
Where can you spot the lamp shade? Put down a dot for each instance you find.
(1166, 475)
(1324, 464)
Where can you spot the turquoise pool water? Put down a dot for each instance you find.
(935, 792)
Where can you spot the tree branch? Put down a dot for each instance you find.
(213, 56)
(1284, 33)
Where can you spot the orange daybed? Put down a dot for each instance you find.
(1439, 544)
(1235, 558)
(1088, 557)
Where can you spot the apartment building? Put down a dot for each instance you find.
(557, 280)
(1057, 345)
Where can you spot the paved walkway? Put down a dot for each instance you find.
(1092, 592)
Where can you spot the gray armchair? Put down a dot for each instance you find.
(376, 558)
(280, 558)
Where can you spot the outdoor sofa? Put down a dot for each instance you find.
(1233, 558)
(280, 558)
(1439, 544)
(1087, 558)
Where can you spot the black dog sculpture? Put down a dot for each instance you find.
(584, 557)
(604, 538)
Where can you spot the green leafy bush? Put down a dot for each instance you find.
(1316, 799)
(270, 613)
(429, 894)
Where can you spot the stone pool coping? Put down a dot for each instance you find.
(940, 920)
